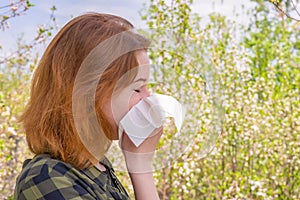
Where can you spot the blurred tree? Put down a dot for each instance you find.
(16, 69)
(11, 9)
(257, 70)
(286, 7)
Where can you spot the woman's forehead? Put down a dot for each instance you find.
(143, 68)
(142, 57)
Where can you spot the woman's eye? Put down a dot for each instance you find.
(138, 91)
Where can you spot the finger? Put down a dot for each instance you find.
(157, 132)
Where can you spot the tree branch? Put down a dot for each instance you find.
(12, 10)
(278, 7)
(295, 7)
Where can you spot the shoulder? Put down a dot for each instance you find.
(42, 168)
(46, 178)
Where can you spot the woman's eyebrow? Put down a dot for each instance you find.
(141, 79)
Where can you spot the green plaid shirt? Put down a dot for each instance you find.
(46, 178)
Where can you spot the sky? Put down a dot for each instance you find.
(27, 24)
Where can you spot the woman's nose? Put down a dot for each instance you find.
(145, 94)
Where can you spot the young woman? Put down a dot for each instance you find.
(66, 165)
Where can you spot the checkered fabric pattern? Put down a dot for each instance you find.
(46, 178)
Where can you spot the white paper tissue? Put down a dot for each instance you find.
(149, 114)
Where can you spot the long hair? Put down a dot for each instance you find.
(47, 119)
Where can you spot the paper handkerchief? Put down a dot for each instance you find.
(149, 114)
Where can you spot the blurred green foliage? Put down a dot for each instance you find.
(255, 90)
(256, 73)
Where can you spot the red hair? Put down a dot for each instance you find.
(48, 119)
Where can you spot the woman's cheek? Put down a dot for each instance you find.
(122, 104)
(134, 99)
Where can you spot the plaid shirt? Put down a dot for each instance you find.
(46, 178)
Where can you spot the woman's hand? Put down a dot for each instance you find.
(138, 161)
(147, 146)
